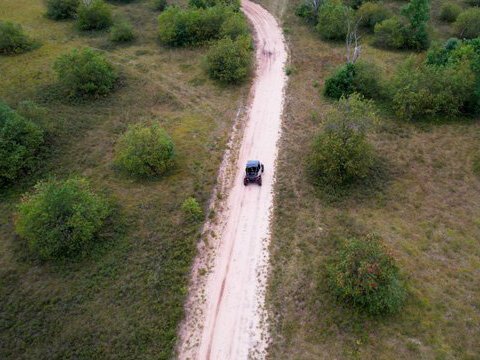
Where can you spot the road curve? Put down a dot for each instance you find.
(231, 325)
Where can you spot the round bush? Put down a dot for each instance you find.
(333, 19)
(20, 141)
(85, 73)
(229, 61)
(145, 151)
(390, 33)
(60, 219)
(341, 153)
(364, 274)
(341, 82)
(62, 9)
(192, 210)
(235, 26)
(122, 31)
(13, 40)
(468, 24)
(449, 12)
(94, 15)
(370, 14)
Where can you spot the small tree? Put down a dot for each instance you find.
(308, 10)
(62, 9)
(333, 20)
(94, 15)
(13, 39)
(145, 151)
(60, 219)
(341, 153)
(20, 141)
(418, 13)
(468, 24)
(229, 61)
(364, 274)
(85, 73)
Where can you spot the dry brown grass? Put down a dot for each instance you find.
(427, 210)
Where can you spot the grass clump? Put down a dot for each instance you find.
(61, 219)
(333, 19)
(94, 15)
(85, 73)
(364, 274)
(229, 61)
(192, 210)
(468, 24)
(13, 39)
(122, 31)
(20, 141)
(449, 11)
(370, 14)
(360, 77)
(341, 153)
(62, 9)
(145, 151)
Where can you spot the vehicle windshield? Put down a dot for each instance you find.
(251, 170)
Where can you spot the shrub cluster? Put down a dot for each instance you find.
(192, 210)
(308, 12)
(122, 31)
(145, 151)
(333, 20)
(229, 61)
(341, 153)
(449, 11)
(203, 4)
(364, 274)
(85, 73)
(234, 26)
(468, 24)
(361, 77)
(94, 15)
(13, 39)
(370, 14)
(20, 141)
(62, 9)
(60, 219)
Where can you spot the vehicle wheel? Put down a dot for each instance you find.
(260, 181)
(245, 181)
(263, 168)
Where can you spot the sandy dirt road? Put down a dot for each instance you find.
(224, 317)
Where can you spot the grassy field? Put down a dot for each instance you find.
(127, 299)
(426, 208)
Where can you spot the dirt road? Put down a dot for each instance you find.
(224, 314)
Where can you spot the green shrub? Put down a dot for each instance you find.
(203, 4)
(235, 26)
(390, 33)
(122, 31)
(60, 219)
(192, 210)
(20, 141)
(361, 77)
(449, 11)
(13, 40)
(473, 2)
(341, 153)
(183, 27)
(85, 72)
(145, 151)
(364, 274)
(229, 61)
(417, 12)
(160, 5)
(307, 12)
(370, 14)
(333, 19)
(62, 9)
(468, 24)
(94, 15)
(421, 91)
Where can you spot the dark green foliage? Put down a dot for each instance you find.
(20, 140)
(468, 24)
(85, 72)
(122, 31)
(160, 5)
(229, 61)
(94, 15)
(183, 27)
(145, 151)
(13, 40)
(341, 154)
(203, 4)
(235, 26)
(60, 219)
(425, 91)
(308, 12)
(62, 9)
(370, 14)
(450, 11)
(333, 20)
(364, 274)
(192, 210)
(361, 77)
(390, 33)
(473, 2)
(418, 13)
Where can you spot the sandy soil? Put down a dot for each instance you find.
(225, 317)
